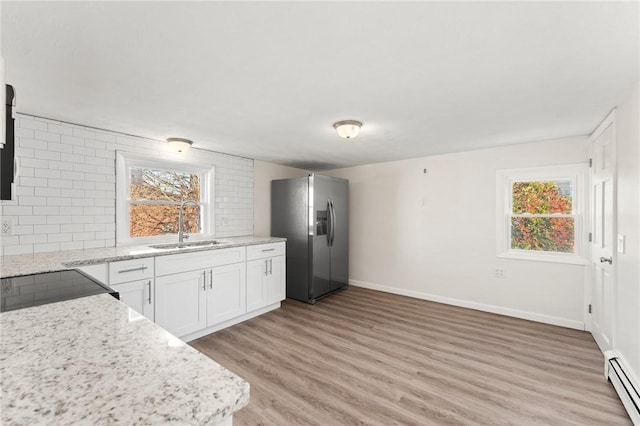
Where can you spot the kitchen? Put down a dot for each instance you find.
(84, 93)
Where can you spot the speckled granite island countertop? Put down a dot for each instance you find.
(85, 361)
(25, 264)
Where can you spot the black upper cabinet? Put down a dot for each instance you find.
(7, 153)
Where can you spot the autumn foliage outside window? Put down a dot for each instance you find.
(155, 196)
(542, 216)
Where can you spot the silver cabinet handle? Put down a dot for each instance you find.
(271, 249)
(124, 271)
(266, 267)
(211, 279)
(204, 280)
(608, 260)
(149, 299)
(271, 266)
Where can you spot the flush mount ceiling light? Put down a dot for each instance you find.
(179, 144)
(348, 129)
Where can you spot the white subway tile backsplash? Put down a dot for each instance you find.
(75, 245)
(47, 173)
(42, 248)
(8, 250)
(61, 129)
(46, 136)
(46, 210)
(60, 165)
(32, 201)
(84, 236)
(82, 132)
(50, 192)
(65, 193)
(60, 183)
(72, 140)
(46, 229)
(33, 239)
(30, 123)
(46, 155)
(34, 163)
(32, 220)
(24, 152)
(23, 229)
(23, 132)
(59, 238)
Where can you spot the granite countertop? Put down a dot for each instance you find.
(94, 361)
(25, 264)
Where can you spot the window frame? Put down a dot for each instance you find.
(577, 175)
(126, 160)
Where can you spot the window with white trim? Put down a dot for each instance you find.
(150, 192)
(541, 213)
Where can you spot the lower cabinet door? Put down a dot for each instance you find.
(138, 295)
(226, 293)
(181, 304)
(257, 271)
(276, 284)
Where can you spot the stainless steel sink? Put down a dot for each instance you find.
(190, 244)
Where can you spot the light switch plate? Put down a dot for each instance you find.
(620, 243)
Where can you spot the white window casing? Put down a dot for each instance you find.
(126, 160)
(577, 175)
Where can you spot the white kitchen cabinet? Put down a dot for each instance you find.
(226, 293)
(181, 305)
(257, 270)
(139, 296)
(133, 279)
(265, 275)
(213, 291)
(276, 281)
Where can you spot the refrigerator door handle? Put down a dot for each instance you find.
(333, 222)
(329, 222)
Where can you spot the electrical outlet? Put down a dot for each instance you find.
(499, 272)
(7, 227)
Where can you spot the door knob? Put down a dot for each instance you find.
(608, 260)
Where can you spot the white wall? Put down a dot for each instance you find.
(65, 191)
(433, 235)
(264, 173)
(626, 339)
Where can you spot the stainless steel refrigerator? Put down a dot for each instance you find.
(312, 212)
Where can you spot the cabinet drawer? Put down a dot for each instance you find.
(176, 263)
(130, 270)
(265, 250)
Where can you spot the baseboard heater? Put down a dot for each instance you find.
(627, 391)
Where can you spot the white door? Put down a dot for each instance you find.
(138, 295)
(603, 199)
(226, 293)
(180, 302)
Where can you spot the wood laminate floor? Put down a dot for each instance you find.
(366, 357)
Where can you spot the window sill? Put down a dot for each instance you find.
(570, 259)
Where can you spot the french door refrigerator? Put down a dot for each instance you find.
(312, 212)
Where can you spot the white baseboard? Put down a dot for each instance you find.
(623, 383)
(532, 316)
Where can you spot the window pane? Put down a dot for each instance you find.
(542, 197)
(150, 220)
(163, 185)
(543, 234)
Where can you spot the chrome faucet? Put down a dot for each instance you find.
(181, 234)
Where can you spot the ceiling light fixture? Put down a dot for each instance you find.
(348, 129)
(179, 144)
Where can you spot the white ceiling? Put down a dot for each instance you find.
(266, 80)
